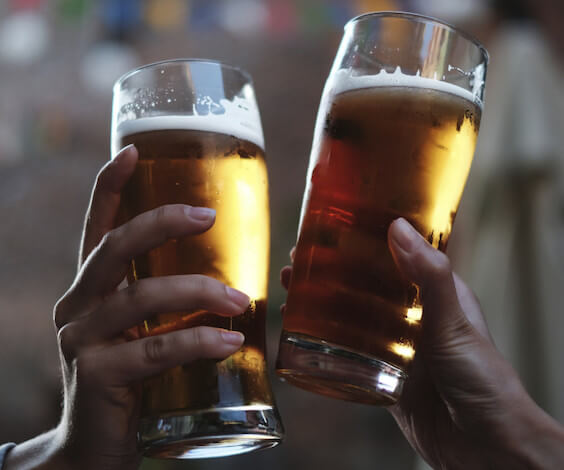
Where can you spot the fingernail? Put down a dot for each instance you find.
(124, 151)
(200, 213)
(404, 235)
(238, 297)
(232, 337)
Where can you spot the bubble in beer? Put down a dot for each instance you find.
(390, 145)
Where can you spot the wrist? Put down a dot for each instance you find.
(55, 450)
(44, 452)
(530, 439)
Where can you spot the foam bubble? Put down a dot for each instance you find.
(343, 81)
(239, 120)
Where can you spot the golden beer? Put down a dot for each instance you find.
(197, 129)
(228, 174)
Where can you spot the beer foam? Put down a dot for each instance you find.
(342, 81)
(239, 120)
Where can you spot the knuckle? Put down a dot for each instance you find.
(440, 265)
(203, 339)
(161, 214)
(104, 176)
(109, 245)
(133, 290)
(154, 349)
(59, 312)
(136, 296)
(198, 337)
(176, 211)
(201, 283)
(86, 370)
(66, 339)
(206, 288)
(108, 242)
(101, 176)
(168, 217)
(199, 342)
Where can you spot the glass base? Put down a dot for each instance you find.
(218, 432)
(334, 371)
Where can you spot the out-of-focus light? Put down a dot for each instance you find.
(104, 64)
(282, 18)
(404, 350)
(340, 13)
(121, 16)
(166, 14)
(453, 11)
(387, 382)
(73, 10)
(414, 314)
(203, 15)
(11, 147)
(364, 6)
(24, 37)
(25, 4)
(244, 17)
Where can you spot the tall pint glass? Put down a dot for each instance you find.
(197, 128)
(395, 136)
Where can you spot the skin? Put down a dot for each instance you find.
(101, 370)
(463, 406)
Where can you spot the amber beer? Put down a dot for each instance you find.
(210, 169)
(388, 147)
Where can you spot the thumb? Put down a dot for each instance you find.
(444, 322)
(465, 368)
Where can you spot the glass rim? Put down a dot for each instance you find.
(187, 60)
(422, 18)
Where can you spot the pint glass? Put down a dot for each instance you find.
(395, 137)
(197, 129)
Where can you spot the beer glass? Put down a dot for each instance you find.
(197, 129)
(395, 136)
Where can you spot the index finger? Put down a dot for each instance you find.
(105, 199)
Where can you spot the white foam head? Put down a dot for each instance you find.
(343, 81)
(239, 120)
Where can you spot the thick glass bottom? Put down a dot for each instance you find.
(218, 432)
(334, 371)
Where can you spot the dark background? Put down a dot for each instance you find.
(58, 60)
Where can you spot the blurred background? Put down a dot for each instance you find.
(58, 61)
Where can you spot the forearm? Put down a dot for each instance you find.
(52, 451)
(534, 441)
(43, 452)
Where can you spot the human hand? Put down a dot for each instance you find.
(457, 409)
(101, 370)
(463, 405)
